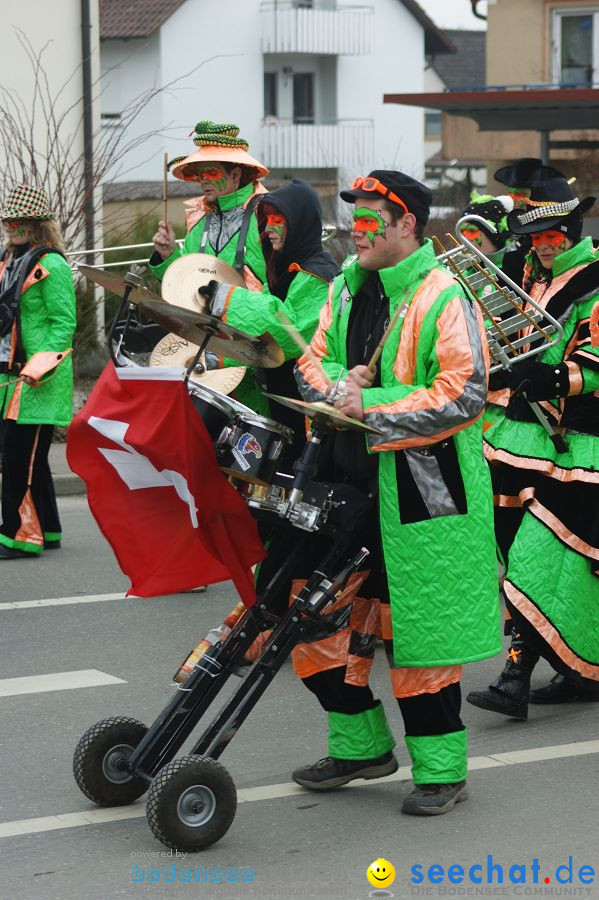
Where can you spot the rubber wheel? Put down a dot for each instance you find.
(191, 803)
(98, 763)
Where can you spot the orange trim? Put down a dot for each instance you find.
(34, 277)
(549, 632)
(539, 465)
(252, 282)
(12, 410)
(498, 398)
(357, 670)
(506, 501)
(295, 267)
(198, 207)
(592, 357)
(411, 682)
(424, 441)
(576, 379)
(13, 344)
(227, 301)
(594, 325)
(318, 347)
(540, 512)
(30, 530)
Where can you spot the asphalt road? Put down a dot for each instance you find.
(533, 785)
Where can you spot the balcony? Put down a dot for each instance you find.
(344, 143)
(289, 28)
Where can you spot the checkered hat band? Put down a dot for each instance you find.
(550, 209)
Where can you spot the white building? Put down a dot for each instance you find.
(304, 80)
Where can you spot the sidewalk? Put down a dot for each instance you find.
(65, 481)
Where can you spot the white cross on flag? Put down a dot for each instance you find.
(155, 489)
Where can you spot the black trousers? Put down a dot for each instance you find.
(25, 463)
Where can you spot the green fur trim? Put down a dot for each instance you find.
(439, 759)
(365, 735)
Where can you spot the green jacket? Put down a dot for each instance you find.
(48, 320)
(442, 571)
(253, 257)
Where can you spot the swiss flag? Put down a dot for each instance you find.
(155, 489)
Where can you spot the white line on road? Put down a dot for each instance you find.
(62, 601)
(289, 789)
(56, 681)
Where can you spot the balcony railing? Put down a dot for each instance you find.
(347, 31)
(344, 143)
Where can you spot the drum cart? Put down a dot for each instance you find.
(192, 799)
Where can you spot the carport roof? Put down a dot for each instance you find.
(506, 109)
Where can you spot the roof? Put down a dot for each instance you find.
(438, 161)
(134, 18)
(435, 40)
(539, 109)
(465, 68)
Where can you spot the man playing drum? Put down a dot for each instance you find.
(432, 563)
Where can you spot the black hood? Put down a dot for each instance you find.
(300, 204)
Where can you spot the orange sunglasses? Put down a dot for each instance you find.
(373, 184)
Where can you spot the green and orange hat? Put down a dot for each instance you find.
(26, 202)
(216, 143)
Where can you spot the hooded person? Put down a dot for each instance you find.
(491, 236)
(298, 272)
(547, 521)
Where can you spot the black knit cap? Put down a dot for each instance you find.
(551, 205)
(416, 196)
(524, 172)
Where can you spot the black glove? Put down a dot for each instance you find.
(539, 381)
(208, 291)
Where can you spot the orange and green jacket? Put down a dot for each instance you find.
(442, 571)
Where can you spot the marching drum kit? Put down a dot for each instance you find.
(192, 799)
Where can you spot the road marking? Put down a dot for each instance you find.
(288, 789)
(56, 681)
(62, 601)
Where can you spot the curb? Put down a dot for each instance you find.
(66, 485)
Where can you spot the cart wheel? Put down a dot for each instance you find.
(99, 763)
(191, 803)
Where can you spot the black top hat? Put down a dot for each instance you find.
(524, 172)
(551, 205)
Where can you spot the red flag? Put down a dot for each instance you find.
(155, 489)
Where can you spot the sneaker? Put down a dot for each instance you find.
(330, 773)
(434, 799)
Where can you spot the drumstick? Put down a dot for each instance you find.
(304, 347)
(381, 344)
(165, 189)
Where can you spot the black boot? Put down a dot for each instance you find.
(509, 693)
(561, 690)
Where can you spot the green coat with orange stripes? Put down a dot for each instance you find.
(441, 570)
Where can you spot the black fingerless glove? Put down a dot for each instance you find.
(209, 290)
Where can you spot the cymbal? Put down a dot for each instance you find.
(173, 350)
(185, 275)
(263, 351)
(325, 413)
(116, 284)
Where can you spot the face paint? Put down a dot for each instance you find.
(15, 227)
(215, 175)
(276, 222)
(369, 222)
(474, 235)
(556, 239)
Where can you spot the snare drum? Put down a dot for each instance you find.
(253, 447)
(216, 410)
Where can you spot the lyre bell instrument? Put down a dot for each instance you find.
(517, 327)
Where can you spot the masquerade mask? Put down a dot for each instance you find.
(519, 195)
(555, 239)
(369, 222)
(473, 234)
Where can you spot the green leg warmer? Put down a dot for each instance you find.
(439, 759)
(365, 735)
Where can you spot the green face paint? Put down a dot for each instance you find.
(369, 222)
(216, 176)
(15, 227)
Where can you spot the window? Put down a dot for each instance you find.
(271, 106)
(432, 124)
(576, 47)
(303, 4)
(303, 98)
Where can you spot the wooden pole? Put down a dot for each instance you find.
(165, 189)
